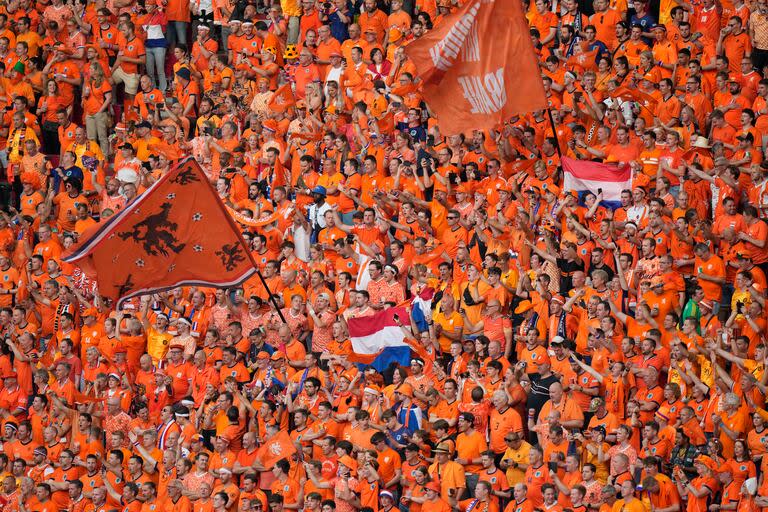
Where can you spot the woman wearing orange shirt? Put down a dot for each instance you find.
(97, 96)
(700, 489)
(741, 465)
(47, 107)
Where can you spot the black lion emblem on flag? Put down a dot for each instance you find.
(185, 177)
(157, 233)
(231, 255)
(127, 286)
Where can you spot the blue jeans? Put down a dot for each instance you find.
(471, 479)
(176, 33)
(294, 29)
(156, 66)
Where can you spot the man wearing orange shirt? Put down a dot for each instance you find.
(571, 415)
(372, 17)
(503, 420)
(710, 272)
(456, 234)
(187, 92)
(130, 56)
(353, 41)
(734, 43)
(536, 476)
(306, 73)
(623, 150)
(13, 399)
(668, 110)
(48, 247)
(327, 45)
(285, 486)
(664, 50)
(755, 235)
(66, 130)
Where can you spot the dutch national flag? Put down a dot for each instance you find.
(582, 176)
(378, 340)
(421, 308)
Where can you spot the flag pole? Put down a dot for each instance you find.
(269, 292)
(554, 133)
(237, 228)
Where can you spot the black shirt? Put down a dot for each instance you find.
(567, 268)
(608, 270)
(539, 393)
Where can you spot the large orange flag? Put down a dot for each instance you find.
(479, 67)
(178, 233)
(283, 99)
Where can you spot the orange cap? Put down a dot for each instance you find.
(405, 389)
(349, 462)
(31, 178)
(90, 312)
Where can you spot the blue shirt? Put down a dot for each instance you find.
(72, 172)
(416, 132)
(339, 29)
(400, 436)
(646, 22)
(410, 418)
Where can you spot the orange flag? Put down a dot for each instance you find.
(178, 233)
(584, 61)
(81, 398)
(283, 99)
(278, 447)
(46, 360)
(626, 93)
(386, 123)
(479, 66)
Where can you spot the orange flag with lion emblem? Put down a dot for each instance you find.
(178, 233)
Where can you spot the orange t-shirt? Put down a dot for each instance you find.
(133, 49)
(97, 96)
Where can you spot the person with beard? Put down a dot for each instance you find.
(317, 211)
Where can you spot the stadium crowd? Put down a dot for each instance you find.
(580, 356)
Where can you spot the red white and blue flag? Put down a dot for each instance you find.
(378, 340)
(421, 308)
(583, 176)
